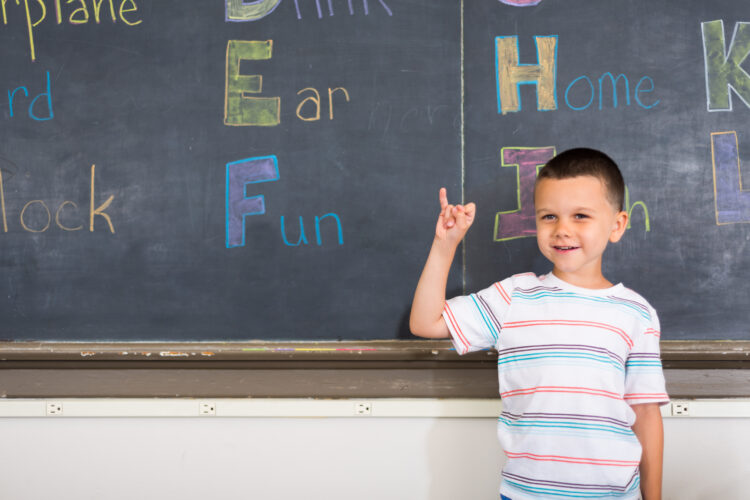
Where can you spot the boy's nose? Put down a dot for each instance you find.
(561, 229)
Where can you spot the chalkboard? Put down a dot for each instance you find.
(237, 170)
(352, 125)
(673, 65)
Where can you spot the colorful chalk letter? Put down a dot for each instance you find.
(47, 96)
(511, 74)
(521, 3)
(336, 219)
(239, 109)
(243, 10)
(302, 237)
(239, 174)
(724, 69)
(100, 210)
(521, 222)
(630, 208)
(732, 201)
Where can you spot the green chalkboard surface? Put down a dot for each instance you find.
(232, 170)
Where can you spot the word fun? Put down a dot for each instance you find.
(239, 206)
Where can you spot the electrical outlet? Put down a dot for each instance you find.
(680, 409)
(363, 408)
(54, 408)
(207, 408)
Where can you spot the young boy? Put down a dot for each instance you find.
(578, 357)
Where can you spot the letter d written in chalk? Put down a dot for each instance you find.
(37, 109)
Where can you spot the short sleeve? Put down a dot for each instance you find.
(644, 377)
(475, 320)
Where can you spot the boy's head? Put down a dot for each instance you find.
(578, 203)
(583, 161)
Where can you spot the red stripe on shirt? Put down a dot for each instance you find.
(562, 390)
(573, 460)
(653, 395)
(651, 331)
(503, 293)
(457, 329)
(562, 322)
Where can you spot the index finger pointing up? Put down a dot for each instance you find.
(443, 198)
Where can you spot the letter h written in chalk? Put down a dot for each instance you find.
(511, 74)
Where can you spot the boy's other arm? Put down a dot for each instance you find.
(649, 430)
(426, 319)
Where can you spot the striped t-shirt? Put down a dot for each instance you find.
(571, 361)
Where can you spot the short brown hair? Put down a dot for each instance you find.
(584, 161)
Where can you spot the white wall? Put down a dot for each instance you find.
(371, 458)
(707, 458)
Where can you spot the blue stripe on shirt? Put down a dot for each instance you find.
(493, 331)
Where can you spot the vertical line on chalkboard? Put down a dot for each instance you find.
(463, 152)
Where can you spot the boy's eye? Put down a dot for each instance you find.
(548, 217)
(581, 216)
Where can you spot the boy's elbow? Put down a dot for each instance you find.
(435, 330)
(415, 327)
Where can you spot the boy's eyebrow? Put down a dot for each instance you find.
(574, 210)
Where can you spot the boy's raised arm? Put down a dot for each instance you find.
(429, 299)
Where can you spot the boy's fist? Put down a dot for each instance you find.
(454, 220)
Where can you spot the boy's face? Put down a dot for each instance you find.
(574, 223)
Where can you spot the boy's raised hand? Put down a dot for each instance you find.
(426, 318)
(454, 220)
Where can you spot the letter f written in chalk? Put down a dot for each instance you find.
(240, 174)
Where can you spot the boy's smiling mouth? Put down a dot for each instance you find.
(561, 248)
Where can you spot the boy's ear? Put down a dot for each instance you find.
(619, 227)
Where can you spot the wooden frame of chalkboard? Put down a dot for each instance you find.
(317, 369)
